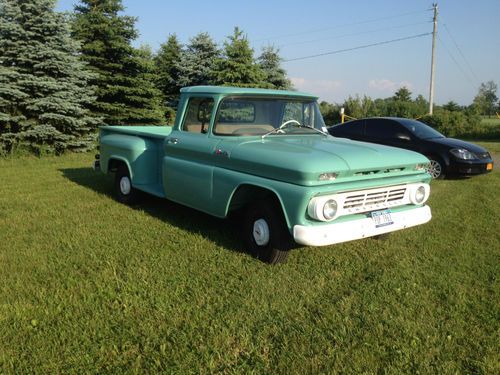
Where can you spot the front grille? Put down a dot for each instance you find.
(376, 198)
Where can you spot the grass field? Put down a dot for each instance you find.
(88, 285)
(490, 121)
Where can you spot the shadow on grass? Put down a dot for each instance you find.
(223, 232)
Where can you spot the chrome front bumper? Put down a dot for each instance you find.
(329, 234)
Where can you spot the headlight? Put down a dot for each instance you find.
(463, 154)
(420, 193)
(323, 208)
(331, 176)
(330, 209)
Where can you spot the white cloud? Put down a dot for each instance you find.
(388, 85)
(315, 86)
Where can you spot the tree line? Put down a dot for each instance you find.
(451, 118)
(64, 74)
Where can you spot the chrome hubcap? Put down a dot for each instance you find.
(260, 232)
(125, 186)
(434, 169)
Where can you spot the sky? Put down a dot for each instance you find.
(467, 49)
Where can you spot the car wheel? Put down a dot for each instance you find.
(265, 232)
(436, 168)
(125, 193)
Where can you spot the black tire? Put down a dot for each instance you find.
(436, 168)
(124, 191)
(265, 232)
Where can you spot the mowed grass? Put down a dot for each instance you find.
(88, 285)
(490, 121)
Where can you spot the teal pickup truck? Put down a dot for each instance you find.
(266, 155)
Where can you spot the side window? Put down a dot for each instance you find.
(382, 129)
(198, 114)
(352, 129)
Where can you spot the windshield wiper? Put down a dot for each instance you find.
(292, 123)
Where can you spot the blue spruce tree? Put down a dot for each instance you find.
(44, 87)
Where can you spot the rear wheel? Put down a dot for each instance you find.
(124, 191)
(436, 168)
(265, 232)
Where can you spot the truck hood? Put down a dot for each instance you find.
(301, 159)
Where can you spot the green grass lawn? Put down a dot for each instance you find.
(88, 285)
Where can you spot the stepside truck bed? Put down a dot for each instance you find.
(141, 149)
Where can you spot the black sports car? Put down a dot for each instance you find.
(447, 156)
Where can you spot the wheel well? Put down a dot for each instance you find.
(245, 194)
(113, 164)
(437, 157)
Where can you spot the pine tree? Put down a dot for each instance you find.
(43, 85)
(237, 66)
(167, 74)
(274, 74)
(197, 62)
(167, 61)
(144, 99)
(126, 94)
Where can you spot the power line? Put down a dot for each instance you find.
(340, 26)
(466, 75)
(354, 34)
(358, 47)
(460, 52)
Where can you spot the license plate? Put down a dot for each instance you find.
(489, 166)
(382, 218)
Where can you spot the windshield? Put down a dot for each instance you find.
(420, 130)
(259, 116)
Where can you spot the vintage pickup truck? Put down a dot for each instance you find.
(266, 155)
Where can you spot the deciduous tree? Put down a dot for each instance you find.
(486, 98)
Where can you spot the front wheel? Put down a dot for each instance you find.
(436, 168)
(265, 232)
(124, 191)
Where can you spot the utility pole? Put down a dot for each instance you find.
(433, 60)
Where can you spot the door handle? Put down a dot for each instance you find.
(173, 141)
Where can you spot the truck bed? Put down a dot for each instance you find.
(141, 148)
(142, 131)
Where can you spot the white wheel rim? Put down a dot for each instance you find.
(434, 169)
(125, 185)
(261, 232)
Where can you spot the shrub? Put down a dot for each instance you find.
(455, 124)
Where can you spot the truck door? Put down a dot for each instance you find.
(188, 163)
